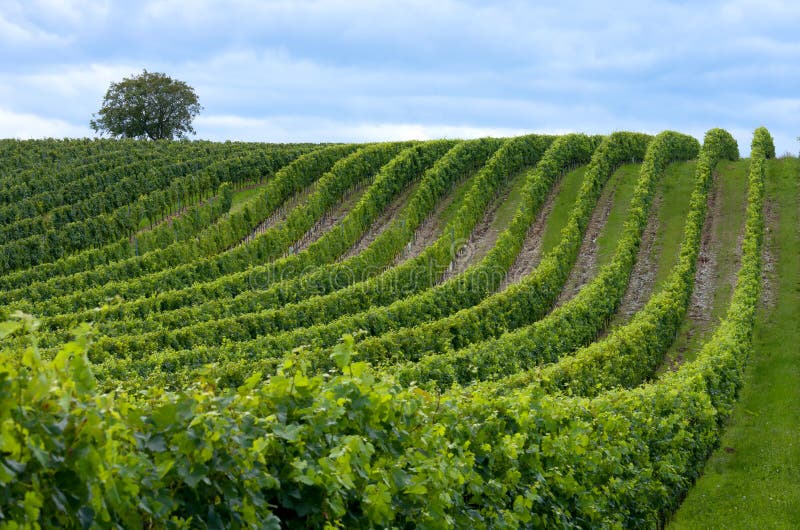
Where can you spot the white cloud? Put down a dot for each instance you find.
(76, 81)
(73, 12)
(61, 15)
(15, 34)
(347, 70)
(24, 126)
(316, 129)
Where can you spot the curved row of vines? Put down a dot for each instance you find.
(218, 342)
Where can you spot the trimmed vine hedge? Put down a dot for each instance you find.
(187, 224)
(154, 268)
(632, 353)
(110, 214)
(261, 287)
(570, 326)
(402, 171)
(464, 289)
(406, 278)
(355, 448)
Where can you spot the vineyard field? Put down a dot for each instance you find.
(538, 331)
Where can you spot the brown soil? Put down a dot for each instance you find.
(329, 220)
(531, 252)
(586, 265)
(643, 275)
(480, 241)
(381, 223)
(769, 261)
(278, 216)
(430, 229)
(701, 301)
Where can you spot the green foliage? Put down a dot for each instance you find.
(107, 216)
(150, 105)
(406, 278)
(441, 300)
(764, 463)
(155, 268)
(353, 170)
(572, 325)
(631, 354)
(392, 179)
(353, 447)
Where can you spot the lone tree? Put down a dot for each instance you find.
(148, 105)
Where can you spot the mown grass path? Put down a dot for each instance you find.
(658, 252)
(718, 262)
(753, 479)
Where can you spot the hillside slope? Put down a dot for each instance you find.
(536, 331)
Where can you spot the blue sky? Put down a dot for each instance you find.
(351, 71)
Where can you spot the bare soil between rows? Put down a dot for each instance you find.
(330, 219)
(531, 253)
(381, 223)
(586, 264)
(643, 275)
(430, 229)
(482, 238)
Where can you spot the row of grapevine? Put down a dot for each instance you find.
(530, 298)
(651, 441)
(114, 368)
(510, 158)
(239, 357)
(564, 152)
(99, 283)
(118, 185)
(320, 259)
(568, 327)
(352, 171)
(187, 223)
(71, 175)
(257, 287)
(357, 448)
(22, 157)
(462, 290)
(126, 195)
(98, 228)
(113, 182)
(399, 173)
(631, 354)
(43, 166)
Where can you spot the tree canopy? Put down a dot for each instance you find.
(149, 105)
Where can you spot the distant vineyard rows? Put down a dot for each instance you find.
(205, 334)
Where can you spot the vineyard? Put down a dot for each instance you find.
(528, 332)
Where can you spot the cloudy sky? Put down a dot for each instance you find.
(339, 70)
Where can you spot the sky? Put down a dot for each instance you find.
(337, 70)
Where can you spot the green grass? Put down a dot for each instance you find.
(733, 179)
(732, 182)
(502, 207)
(562, 206)
(505, 212)
(675, 187)
(753, 480)
(241, 197)
(623, 183)
(455, 196)
(144, 224)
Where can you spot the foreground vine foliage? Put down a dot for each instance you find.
(361, 447)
